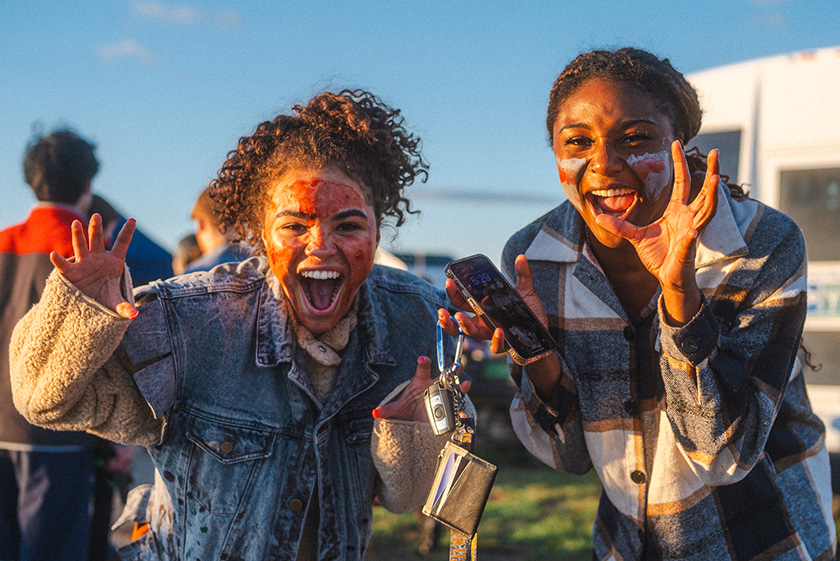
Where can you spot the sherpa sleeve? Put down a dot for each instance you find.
(405, 454)
(66, 372)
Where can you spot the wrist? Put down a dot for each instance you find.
(545, 375)
(680, 306)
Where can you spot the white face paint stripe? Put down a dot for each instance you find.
(569, 170)
(654, 170)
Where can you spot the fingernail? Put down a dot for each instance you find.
(376, 413)
(134, 314)
(421, 360)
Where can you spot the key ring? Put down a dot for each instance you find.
(459, 348)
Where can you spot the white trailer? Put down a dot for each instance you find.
(776, 121)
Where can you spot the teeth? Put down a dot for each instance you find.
(320, 275)
(612, 192)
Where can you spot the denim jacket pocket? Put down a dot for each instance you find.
(357, 429)
(224, 461)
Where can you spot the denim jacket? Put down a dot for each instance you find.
(245, 442)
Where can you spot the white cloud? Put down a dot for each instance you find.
(173, 15)
(128, 49)
(184, 14)
(773, 20)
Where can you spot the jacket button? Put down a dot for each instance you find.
(632, 407)
(690, 344)
(629, 333)
(296, 504)
(227, 446)
(637, 477)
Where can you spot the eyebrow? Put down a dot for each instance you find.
(349, 213)
(294, 214)
(624, 124)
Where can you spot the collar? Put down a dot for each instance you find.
(275, 330)
(57, 208)
(561, 237)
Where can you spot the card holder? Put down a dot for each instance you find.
(460, 489)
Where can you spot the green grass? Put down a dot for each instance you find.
(534, 513)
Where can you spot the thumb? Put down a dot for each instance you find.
(423, 372)
(524, 277)
(413, 392)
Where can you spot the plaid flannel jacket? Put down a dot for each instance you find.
(703, 436)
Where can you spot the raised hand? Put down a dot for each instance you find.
(667, 247)
(409, 405)
(97, 273)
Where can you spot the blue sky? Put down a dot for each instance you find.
(165, 89)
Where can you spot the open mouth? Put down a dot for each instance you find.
(321, 288)
(615, 202)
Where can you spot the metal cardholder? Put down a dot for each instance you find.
(460, 490)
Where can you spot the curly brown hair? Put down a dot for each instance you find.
(353, 131)
(672, 93)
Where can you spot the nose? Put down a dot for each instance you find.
(320, 243)
(605, 159)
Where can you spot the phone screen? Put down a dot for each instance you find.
(496, 298)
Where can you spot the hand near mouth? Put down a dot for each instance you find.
(668, 246)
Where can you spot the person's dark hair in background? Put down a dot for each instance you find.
(60, 167)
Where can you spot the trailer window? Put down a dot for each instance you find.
(729, 145)
(812, 198)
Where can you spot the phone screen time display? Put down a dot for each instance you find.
(502, 305)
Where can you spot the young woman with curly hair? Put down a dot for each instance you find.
(677, 304)
(253, 385)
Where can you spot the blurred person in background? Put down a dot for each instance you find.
(216, 244)
(45, 476)
(186, 252)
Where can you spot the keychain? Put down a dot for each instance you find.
(444, 400)
(462, 481)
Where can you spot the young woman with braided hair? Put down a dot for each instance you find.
(677, 304)
(252, 385)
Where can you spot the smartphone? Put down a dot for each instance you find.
(495, 300)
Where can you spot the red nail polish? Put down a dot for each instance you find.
(421, 360)
(135, 314)
(376, 413)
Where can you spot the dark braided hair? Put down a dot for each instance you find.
(644, 71)
(352, 131)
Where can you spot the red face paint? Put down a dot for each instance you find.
(654, 170)
(320, 235)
